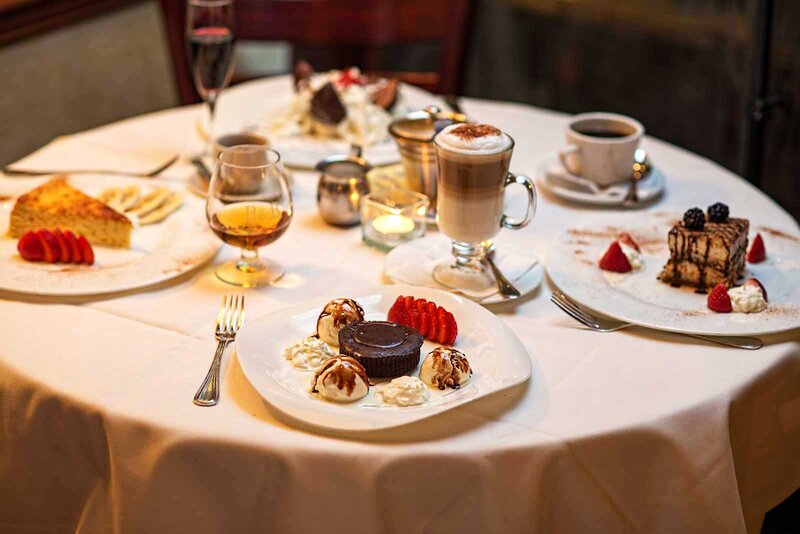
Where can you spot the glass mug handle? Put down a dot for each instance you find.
(564, 155)
(522, 180)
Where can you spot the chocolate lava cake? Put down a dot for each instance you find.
(384, 349)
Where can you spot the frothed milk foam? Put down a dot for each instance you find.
(473, 164)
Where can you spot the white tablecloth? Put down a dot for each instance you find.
(636, 431)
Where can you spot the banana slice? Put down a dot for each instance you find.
(172, 203)
(150, 201)
(111, 197)
(130, 195)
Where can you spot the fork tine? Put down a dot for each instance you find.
(566, 302)
(241, 316)
(221, 314)
(570, 312)
(231, 311)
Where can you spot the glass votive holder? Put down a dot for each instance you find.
(393, 216)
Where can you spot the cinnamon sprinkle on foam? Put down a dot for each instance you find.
(468, 132)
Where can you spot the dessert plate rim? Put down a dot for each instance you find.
(261, 366)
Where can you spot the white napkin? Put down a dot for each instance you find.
(556, 173)
(71, 152)
(413, 263)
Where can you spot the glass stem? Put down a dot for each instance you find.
(249, 262)
(211, 100)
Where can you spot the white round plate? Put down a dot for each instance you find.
(497, 356)
(158, 252)
(553, 177)
(413, 262)
(639, 298)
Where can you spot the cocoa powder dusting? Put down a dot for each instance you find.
(468, 132)
(777, 233)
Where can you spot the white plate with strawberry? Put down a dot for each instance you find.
(628, 291)
(498, 359)
(42, 265)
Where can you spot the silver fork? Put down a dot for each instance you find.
(605, 324)
(10, 171)
(229, 320)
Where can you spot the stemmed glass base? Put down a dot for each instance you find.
(250, 271)
(466, 271)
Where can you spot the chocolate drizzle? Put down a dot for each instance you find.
(449, 366)
(344, 311)
(343, 372)
(691, 251)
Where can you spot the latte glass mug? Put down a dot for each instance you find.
(469, 210)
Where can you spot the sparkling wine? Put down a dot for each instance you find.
(250, 225)
(211, 53)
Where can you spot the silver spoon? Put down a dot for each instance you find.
(641, 168)
(506, 288)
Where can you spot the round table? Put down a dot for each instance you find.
(637, 431)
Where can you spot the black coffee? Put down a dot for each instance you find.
(608, 134)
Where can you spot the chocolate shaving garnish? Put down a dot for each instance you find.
(468, 132)
(326, 106)
(386, 96)
(303, 71)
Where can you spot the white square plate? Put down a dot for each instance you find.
(498, 358)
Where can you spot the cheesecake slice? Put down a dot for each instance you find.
(56, 204)
(706, 257)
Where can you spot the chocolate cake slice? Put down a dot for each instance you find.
(384, 349)
(704, 257)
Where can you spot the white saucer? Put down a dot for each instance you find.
(413, 262)
(565, 185)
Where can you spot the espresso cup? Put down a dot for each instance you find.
(601, 147)
(229, 140)
(473, 162)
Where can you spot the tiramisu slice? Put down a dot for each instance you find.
(706, 250)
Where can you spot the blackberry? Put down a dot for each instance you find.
(694, 219)
(718, 212)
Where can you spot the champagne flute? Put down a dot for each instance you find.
(209, 40)
(249, 205)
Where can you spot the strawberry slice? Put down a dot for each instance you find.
(626, 238)
(65, 252)
(614, 260)
(433, 328)
(413, 313)
(444, 326)
(757, 252)
(30, 247)
(719, 300)
(757, 283)
(52, 252)
(453, 329)
(397, 313)
(86, 250)
(424, 317)
(74, 248)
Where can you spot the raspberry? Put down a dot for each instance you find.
(718, 299)
(694, 219)
(718, 212)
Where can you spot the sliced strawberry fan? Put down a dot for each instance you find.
(432, 321)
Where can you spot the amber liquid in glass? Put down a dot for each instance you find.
(250, 225)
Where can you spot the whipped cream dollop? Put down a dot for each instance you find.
(473, 139)
(308, 353)
(341, 379)
(405, 391)
(634, 256)
(747, 299)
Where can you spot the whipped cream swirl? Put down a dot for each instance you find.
(405, 391)
(634, 256)
(747, 299)
(309, 353)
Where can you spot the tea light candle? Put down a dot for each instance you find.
(393, 225)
